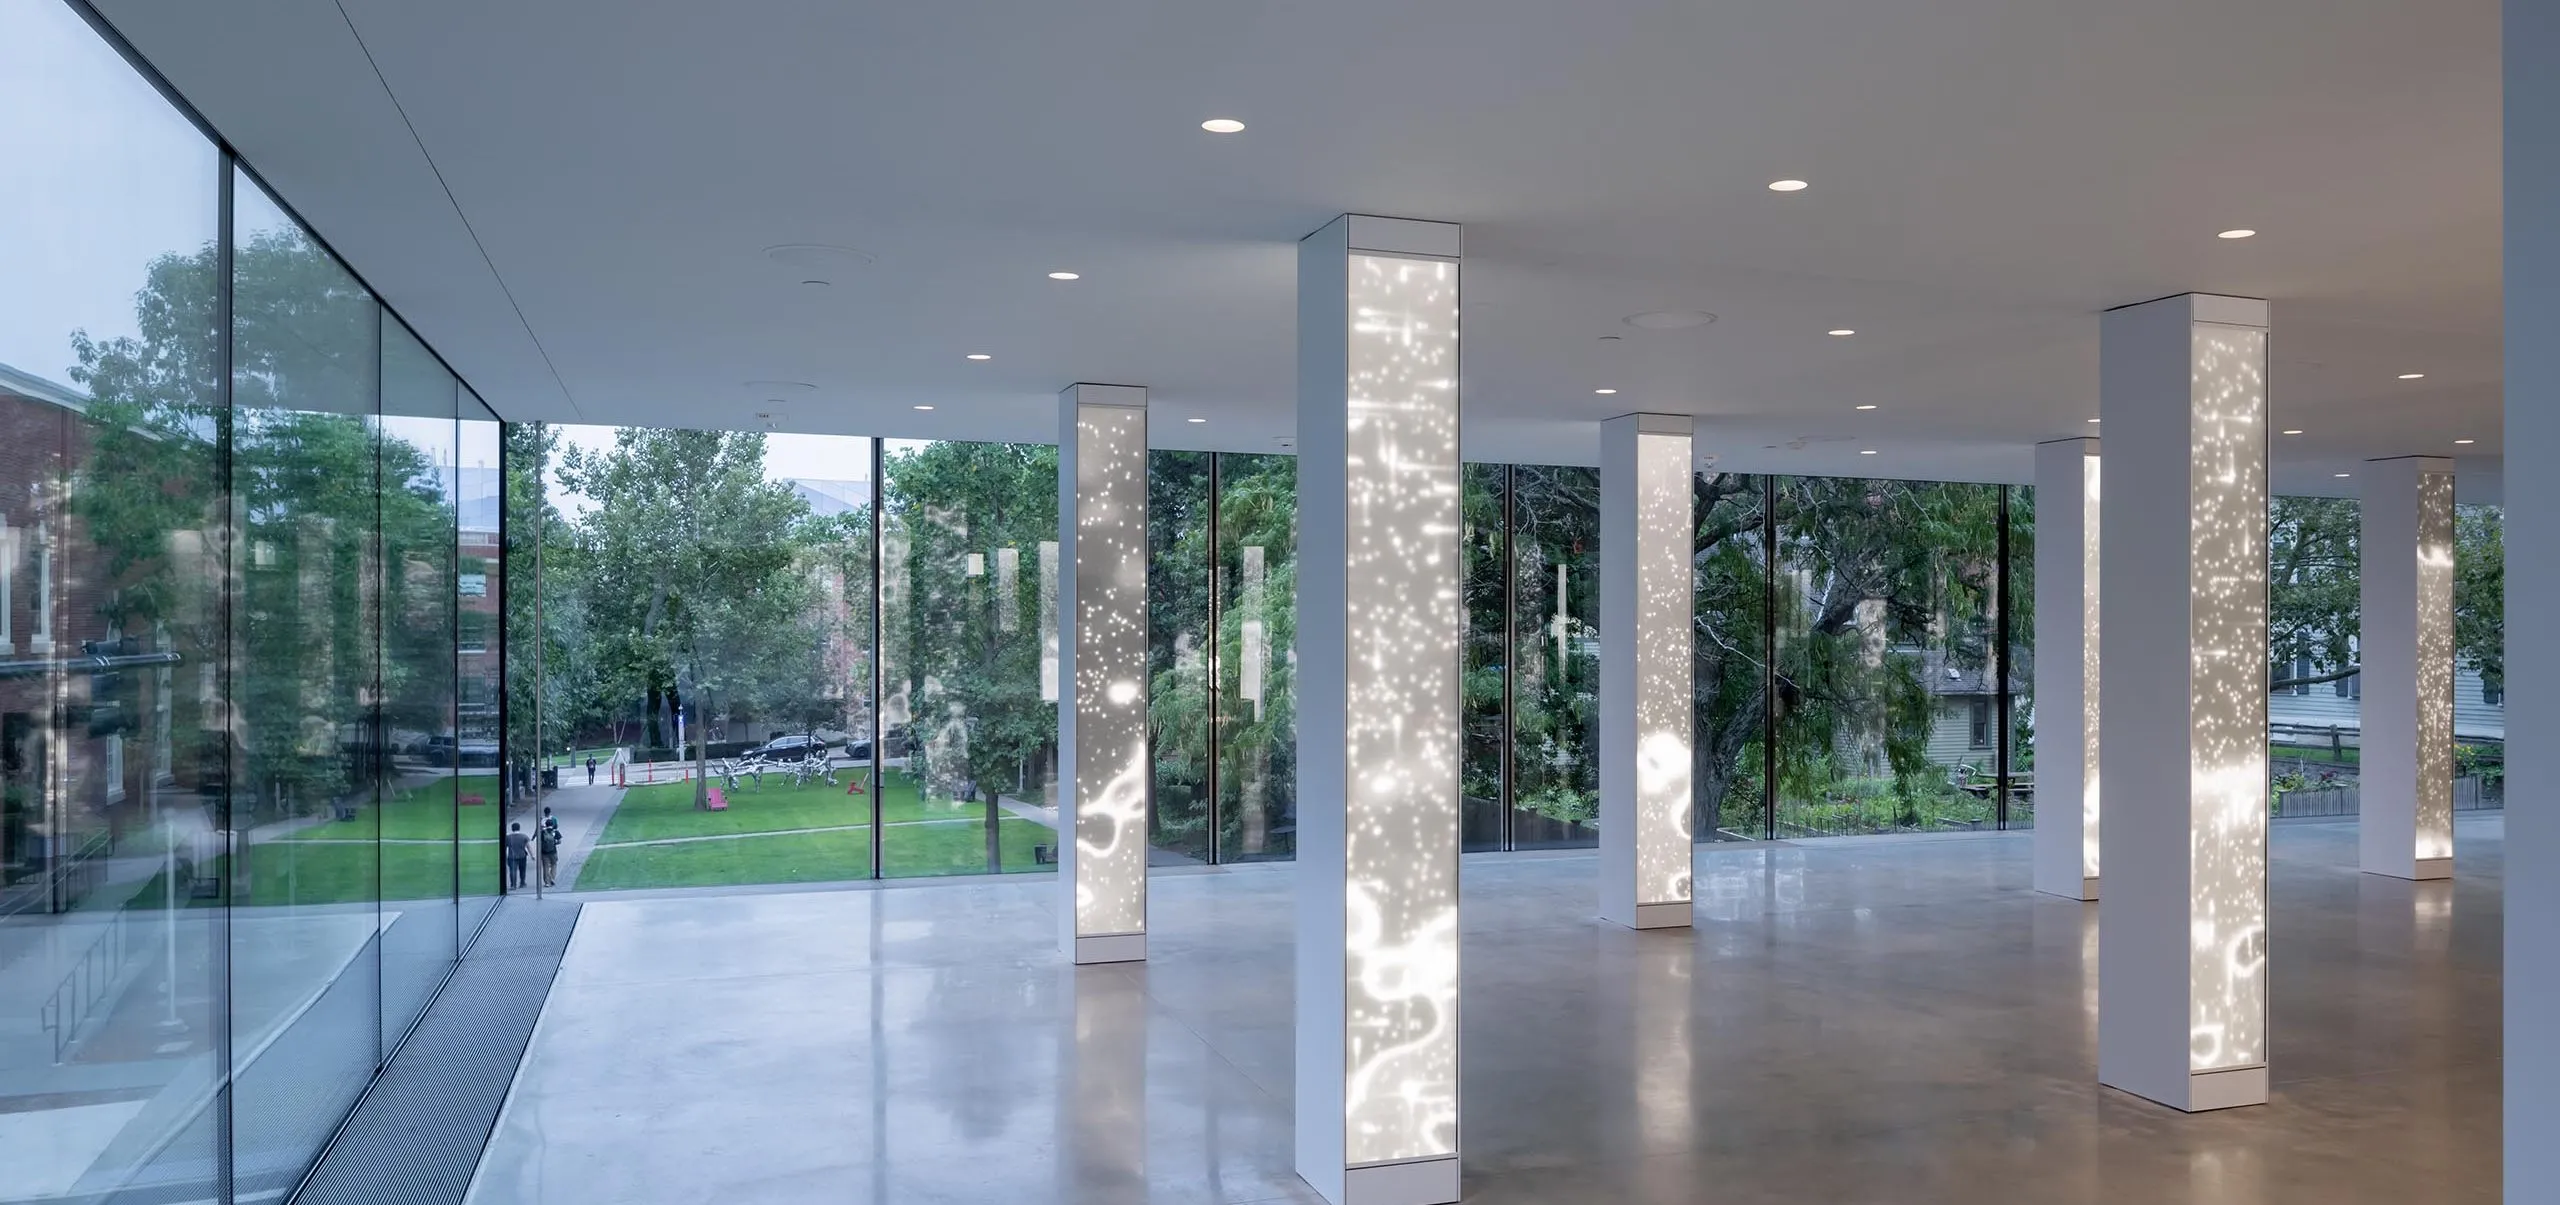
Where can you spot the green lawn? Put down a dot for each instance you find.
(912, 850)
(666, 809)
(423, 813)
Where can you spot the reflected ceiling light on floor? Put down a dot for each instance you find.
(1842, 333)
(1195, 420)
(1868, 406)
(1668, 320)
(1223, 125)
(2413, 376)
(2237, 234)
(2294, 431)
(1787, 186)
(2466, 441)
(2344, 474)
(1866, 451)
(924, 407)
(979, 355)
(2097, 420)
(1066, 276)
(1604, 392)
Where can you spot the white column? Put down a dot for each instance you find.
(2530, 41)
(2066, 736)
(1102, 706)
(2183, 934)
(1378, 720)
(2405, 663)
(1648, 704)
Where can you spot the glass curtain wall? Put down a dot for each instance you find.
(1730, 641)
(2019, 595)
(233, 731)
(1180, 543)
(969, 695)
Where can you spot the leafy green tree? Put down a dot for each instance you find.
(963, 655)
(2480, 592)
(690, 567)
(2315, 591)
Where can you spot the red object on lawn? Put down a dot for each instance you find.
(470, 800)
(853, 784)
(719, 802)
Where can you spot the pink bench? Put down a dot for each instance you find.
(719, 802)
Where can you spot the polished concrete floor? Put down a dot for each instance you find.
(1852, 1021)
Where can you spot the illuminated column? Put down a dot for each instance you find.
(1102, 645)
(2067, 668)
(2183, 934)
(2529, 39)
(1647, 701)
(2405, 663)
(1378, 730)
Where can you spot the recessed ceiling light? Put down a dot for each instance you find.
(2097, 420)
(979, 355)
(2342, 474)
(1866, 451)
(2466, 441)
(1868, 406)
(1066, 276)
(1223, 125)
(1842, 333)
(1668, 320)
(2413, 376)
(1604, 392)
(2237, 234)
(1787, 186)
(1195, 420)
(2294, 431)
(924, 407)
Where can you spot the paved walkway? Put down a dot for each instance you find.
(583, 812)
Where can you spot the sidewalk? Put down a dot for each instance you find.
(583, 812)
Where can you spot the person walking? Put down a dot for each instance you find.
(517, 845)
(548, 841)
(591, 769)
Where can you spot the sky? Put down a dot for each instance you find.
(786, 456)
(104, 175)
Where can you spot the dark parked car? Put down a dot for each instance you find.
(786, 748)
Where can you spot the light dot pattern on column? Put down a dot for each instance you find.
(2227, 698)
(1400, 1040)
(2435, 666)
(1665, 673)
(2089, 668)
(1110, 669)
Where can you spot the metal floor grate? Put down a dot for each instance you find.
(418, 1135)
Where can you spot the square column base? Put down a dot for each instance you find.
(1680, 915)
(1416, 1182)
(2207, 1091)
(2418, 871)
(2088, 891)
(1114, 947)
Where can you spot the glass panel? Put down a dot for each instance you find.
(1555, 702)
(111, 774)
(479, 588)
(1484, 548)
(305, 966)
(1732, 650)
(2314, 598)
(417, 758)
(1257, 642)
(969, 710)
(2480, 657)
(1885, 678)
(1177, 652)
(2019, 589)
(533, 528)
(721, 676)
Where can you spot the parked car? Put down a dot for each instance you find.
(787, 748)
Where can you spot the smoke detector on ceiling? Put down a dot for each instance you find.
(818, 263)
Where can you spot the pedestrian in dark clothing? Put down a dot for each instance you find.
(548, 842)
(518, 845)
(591, 769)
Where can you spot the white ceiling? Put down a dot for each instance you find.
(579, 220)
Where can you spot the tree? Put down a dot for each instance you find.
(2315, 591)
(963, 633)
(690, 566)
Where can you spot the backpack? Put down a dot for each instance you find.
(550, 840)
